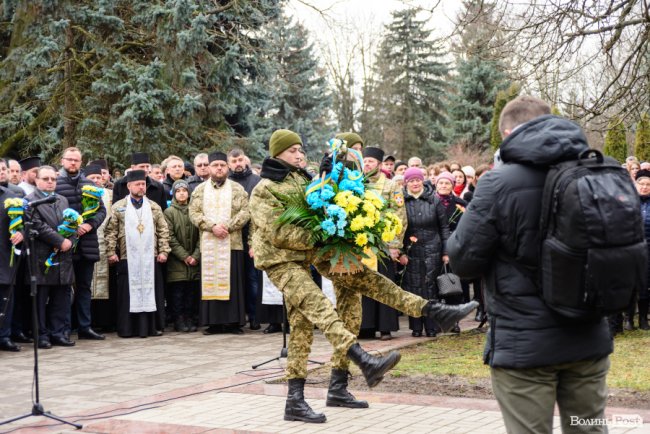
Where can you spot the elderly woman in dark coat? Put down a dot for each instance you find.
(424, 244)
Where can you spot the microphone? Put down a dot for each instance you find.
(35, 203)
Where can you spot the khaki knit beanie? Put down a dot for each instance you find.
(281, 140)
(350, 138)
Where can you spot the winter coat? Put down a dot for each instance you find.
(6, 272)
(453, 211)
(70, 188)
(248, 180)
(275, 244)
(645, 213)
(499, 238)
(194, 181)
(184, 242)
(425, 242)
(155, 192)
(115, 235)
(46, 218)
(17, 191)
(239, 213)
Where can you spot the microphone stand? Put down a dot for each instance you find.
(37, 408)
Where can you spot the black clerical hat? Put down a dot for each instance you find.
(92, 169)
(140, 158)
(29, 163)
(217, 155)
(103, 164)
(375, 153)
(136, 175)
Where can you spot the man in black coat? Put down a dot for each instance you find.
(7, 272)
(174, 170)
(69, 185)
(244, 176)
(201, 171)
(536, 356)
(155, 190)
(54, 285)
(4, 180)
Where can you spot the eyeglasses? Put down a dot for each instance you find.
(72, 160)
(48, 179)
(201, 165)
(643, 184)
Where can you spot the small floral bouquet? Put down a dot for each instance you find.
(456, 215)
(345, 218)
(91, 197)
(15, 210)
(68, 227)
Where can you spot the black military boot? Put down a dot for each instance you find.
(338, 395)
(643, 314)
(629, 318)
(296, 407)
(447, 315)
(373, 368)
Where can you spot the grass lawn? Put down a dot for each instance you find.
(462, 356)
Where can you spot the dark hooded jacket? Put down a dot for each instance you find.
(499, 238)
(425, 242)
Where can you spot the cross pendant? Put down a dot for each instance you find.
(140, 228)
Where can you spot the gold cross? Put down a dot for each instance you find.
(140, 228)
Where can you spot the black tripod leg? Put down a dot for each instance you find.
(268, 361)
(14, 419)
(51, 416)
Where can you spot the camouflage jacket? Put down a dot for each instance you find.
(239, 214)
(115, 236)
(394, 195)
(273, 244)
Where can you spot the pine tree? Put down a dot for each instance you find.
(407, 107)
(503, 97)
(299, 94)
(642, 138)
(615, 141)
(479, 76)
(114, 76)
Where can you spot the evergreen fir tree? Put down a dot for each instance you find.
(115, 76)
(407, 106)
(300, 98)
(502, 98)
(642, 138)
(615, 141)
(479, 76)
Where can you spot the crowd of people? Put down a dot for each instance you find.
(192, 245)
(193, 272)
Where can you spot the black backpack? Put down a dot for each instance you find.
(593, 251)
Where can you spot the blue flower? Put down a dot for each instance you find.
(328, 226)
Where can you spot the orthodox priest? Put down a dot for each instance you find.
(219, 208)
(138, 224)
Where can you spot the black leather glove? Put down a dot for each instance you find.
(325, 164)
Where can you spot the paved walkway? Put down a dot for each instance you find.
(190, 383)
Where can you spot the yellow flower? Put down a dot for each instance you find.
(369, 222)
(357, 223)
(387, 236)
(341, 198)
(369, 208)
(374, 199)
(361, 239)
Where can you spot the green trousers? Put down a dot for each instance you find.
(527, 397)
(350, 287)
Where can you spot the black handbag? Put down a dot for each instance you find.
(448, 284)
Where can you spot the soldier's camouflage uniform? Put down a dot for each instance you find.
(286, 252)
(348, 302)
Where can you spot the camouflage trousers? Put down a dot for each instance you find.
(307, 306)
(350, 287)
